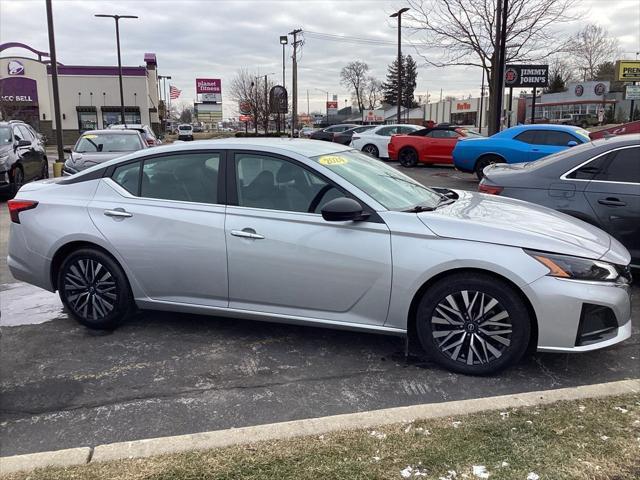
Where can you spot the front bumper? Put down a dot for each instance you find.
(560, 307)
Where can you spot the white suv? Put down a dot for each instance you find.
(185, 132)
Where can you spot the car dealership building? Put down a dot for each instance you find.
(89, 95)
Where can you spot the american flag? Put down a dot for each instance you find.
(174, 92)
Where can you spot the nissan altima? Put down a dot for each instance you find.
(311, 232)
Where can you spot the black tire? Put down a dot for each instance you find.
(483, 350)
(101, 281)
(484, 162)
(371, 150)
(17, 179)
(44, 173)
(408, 157)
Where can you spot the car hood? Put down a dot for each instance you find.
(505, 221)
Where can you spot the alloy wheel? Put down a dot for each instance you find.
(471, 327)
(408, 158)
(371, 150)
(90, 289)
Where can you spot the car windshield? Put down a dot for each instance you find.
(5, 136)
(390, 188)
(108, 142)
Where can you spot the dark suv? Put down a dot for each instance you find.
(22, 156)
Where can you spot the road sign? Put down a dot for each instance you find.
(632, 92)
(332, 108)
(526, 76)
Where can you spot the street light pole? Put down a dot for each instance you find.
(399, 15)
(117, 20)
(326, 104)
(56, 94)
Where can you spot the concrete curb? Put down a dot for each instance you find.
(313, 426)
(31, 461)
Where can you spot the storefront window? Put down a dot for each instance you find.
(87, 120)
(111, 116)
(464, 118)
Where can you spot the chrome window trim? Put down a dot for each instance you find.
(564, 175)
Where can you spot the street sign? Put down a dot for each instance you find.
(628, 70)
(332, 108)
(526, 76)
(278, 102)
(244, 107)
(632, 92)
(246, 118)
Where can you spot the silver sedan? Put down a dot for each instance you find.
(316, 233)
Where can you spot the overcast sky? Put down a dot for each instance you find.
(214, 38)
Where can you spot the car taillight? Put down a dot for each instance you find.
(490, 189)
(17, 206)
(151, 142)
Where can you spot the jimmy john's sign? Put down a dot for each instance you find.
(628, 70)
(526, 76)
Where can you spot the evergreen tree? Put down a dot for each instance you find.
(556, 84)
(409, 82)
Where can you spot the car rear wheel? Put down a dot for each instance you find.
(408, 157)
(17, 179)
(473, 324)
(484, 162)
(45, 169)
(94, 289)
(371, 150)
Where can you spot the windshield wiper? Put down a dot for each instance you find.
(420, 208)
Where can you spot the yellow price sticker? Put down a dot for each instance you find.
(330, 160)
(90, 136)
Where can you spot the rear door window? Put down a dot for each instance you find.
(555, 138)
(624, 166)
(128, 177)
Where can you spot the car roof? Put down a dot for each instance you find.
(545, 126)
(105, 131)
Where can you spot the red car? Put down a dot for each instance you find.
(429, 145)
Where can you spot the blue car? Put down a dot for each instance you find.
(524, 143)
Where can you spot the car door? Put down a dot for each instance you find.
(285, 259)
(614, 194)
(27, 154)
(550, 141)
(443, 143)
(165, 216)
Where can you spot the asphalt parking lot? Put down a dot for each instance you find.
(168, 374)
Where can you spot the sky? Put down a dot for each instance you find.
(215, 38)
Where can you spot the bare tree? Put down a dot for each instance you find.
(463, 31)
(561, 72)
(372, 93)
(249, 88)
(591, 47)
(354, 76)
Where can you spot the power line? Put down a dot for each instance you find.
(353, 39)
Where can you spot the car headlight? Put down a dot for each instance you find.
(577, 268)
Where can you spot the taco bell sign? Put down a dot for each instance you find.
(208, 85)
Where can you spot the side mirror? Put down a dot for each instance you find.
(67, 150)
(572, 143)
(343, 210)
(23, 143)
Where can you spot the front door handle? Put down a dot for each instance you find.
(614, 202)
(247, 233)
(118, 213)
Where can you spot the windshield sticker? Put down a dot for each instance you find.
(330, 160)
(90, 136)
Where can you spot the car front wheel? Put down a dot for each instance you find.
(371, 150)
(473, 324)
(94, 289)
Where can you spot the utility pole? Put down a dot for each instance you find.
(498, 70)
(294, 83)
(399, 15)
(481, 103)
(117, 19)
(54, 82)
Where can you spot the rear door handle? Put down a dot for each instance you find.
(247, 233)
(118, 213)
(614, 202)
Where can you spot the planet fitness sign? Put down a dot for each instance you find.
(526, 76)
(208, 85)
